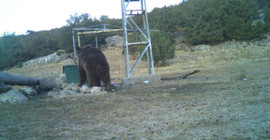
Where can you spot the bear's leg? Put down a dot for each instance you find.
(96, 81)
(91, 79)
(82, 76)
(105, 77)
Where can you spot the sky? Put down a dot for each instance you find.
(21, 15)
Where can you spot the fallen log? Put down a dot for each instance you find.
(184, 76)
(10, 79)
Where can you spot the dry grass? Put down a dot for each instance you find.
(213, 104)
(183, 62)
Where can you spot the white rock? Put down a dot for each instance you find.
(67, 92)
(73, 87)
(13, 96)
(27, 91)
(53, 93)
(62, 77)
(173, 88)
(146, 82)
(85, 89)
(95, 89)
(99, 93)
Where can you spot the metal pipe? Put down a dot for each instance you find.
(96, 40)
(149, 37)
(125, 35)
(137, 43)
(138, 28)
(138, 60)
(79, 41)
(135, 31)
(74, 46)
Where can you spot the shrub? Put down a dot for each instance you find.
(211, 21)
(60, 52)
(163, 47)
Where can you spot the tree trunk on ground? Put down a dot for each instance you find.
(10, 79)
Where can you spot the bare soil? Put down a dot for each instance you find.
(228, 99)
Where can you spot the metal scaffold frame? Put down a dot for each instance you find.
(101, 29)
(142, 32)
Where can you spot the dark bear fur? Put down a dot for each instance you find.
(93, 66)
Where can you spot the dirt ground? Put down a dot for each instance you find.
(228, 99)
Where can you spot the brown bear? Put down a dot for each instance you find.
(93, 66)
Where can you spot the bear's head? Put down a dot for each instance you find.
(78, 50)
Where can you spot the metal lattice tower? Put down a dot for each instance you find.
(142, 32)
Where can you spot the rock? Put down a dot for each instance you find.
(55, 57)
(85, 89)
(13, 96)
(64, 85)
(73, 87)
(173, 88)
(4, 88)
(62, 77)
(28, 92)
(53, 93)
(114, 41)
(244, 44)
(95, 89)
(67, 92)
(99, 93)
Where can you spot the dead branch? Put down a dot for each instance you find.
(184, 76)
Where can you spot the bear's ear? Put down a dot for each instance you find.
(78, 48)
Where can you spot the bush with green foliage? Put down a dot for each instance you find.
(11, 50)
(163, 47)
(211, 21)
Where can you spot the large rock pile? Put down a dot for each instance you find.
(50, 85)
(114, 42)
(233, 44)
(56, 86)
(74, 90)
(55, 57)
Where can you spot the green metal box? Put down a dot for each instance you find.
(72, 74)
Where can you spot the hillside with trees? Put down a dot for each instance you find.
(197, 21)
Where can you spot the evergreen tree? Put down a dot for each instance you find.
(163, 47)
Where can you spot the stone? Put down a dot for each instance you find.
(13, 97)
(28, 92)
(95, 89)
(55, 57)
(98, 93)
(73, 87)
(62, 77)
(85, 89)
(244, 44)
(53, 93)
(67, 92)
(114, 41)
